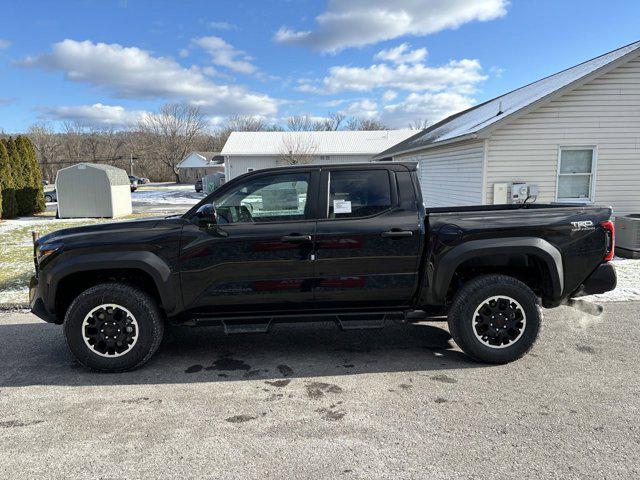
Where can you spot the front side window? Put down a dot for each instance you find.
(575, 174)
(358, 193)
(272, 198)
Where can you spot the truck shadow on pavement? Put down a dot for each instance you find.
(36, 354)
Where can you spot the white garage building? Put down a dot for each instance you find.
(247, 151)
(93, 190)
(575, 134)
(196, 165)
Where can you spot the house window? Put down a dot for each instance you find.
(324, 158)
(576, 172)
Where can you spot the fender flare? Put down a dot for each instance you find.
(146, 262)
(537, 247)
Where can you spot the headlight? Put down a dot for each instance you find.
(47, 250)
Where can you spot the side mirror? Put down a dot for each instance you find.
(206, 215)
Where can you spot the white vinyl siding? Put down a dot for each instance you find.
(450, 175)
(605, 113)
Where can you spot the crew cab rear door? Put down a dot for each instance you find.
(257, 257)
(368, 238)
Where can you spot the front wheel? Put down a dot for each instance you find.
(495, 319)
(113, 327)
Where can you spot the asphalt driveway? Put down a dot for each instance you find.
(308, 401)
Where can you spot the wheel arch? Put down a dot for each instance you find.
(142, 269)
(532, 260)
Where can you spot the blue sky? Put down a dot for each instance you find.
(107, 62)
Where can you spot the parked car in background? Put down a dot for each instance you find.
(198, 185)
(51, 196)
(134, 183)
(143, 180)
(45, 182)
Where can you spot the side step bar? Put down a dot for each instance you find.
(349, 321)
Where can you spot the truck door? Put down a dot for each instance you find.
(367, 239)
(258, 254)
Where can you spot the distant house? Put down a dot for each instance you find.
(198, 164)
(247, 151)
(575, 134)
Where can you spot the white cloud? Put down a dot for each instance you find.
(459, 75)
(94, 115)
(4, 43)
(389, 96)
(225, 55)
(129, 72)
(365, 108)
(402, 54)
(363, 22)
(184, 53)
(429, 107)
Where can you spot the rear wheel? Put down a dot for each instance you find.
(48, 198)
(495, 318)
(113, 327)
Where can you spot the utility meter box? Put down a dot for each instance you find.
(514, 192)
(523, 192)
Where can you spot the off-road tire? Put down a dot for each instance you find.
(473, 294)
(150, 326)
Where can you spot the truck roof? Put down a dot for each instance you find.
(363, 165)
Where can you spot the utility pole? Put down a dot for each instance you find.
(131, 159)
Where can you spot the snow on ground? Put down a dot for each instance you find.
(628, 288)
(172, 194)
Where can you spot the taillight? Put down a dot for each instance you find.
(611, 239)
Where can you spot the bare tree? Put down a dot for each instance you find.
(72, 140)
(331, 123)
(359, 123)
(171, 133)
(298, 148)
(47, 144)
(419, 124)
(300, 123)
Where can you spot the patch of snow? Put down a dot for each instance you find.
(628, 288)
(175, 194)
(15, 223)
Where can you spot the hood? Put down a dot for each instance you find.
(109, 229)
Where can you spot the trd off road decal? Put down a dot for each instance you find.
(582, 225)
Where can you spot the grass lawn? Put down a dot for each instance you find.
(16, 261)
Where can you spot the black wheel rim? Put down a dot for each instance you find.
(499, 321)
(110, 330)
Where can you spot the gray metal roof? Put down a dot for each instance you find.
(208, 155)
(341, 142)
(115, 175)
(475, 119)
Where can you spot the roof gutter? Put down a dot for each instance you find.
(461, 138)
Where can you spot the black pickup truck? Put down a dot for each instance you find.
(352, 242)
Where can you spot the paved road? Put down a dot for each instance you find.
(310, 402)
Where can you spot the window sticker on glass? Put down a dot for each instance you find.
(341, 206)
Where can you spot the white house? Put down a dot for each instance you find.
(198, 164)
(575, 134)
(247, 151)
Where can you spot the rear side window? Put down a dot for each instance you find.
(358, 193)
